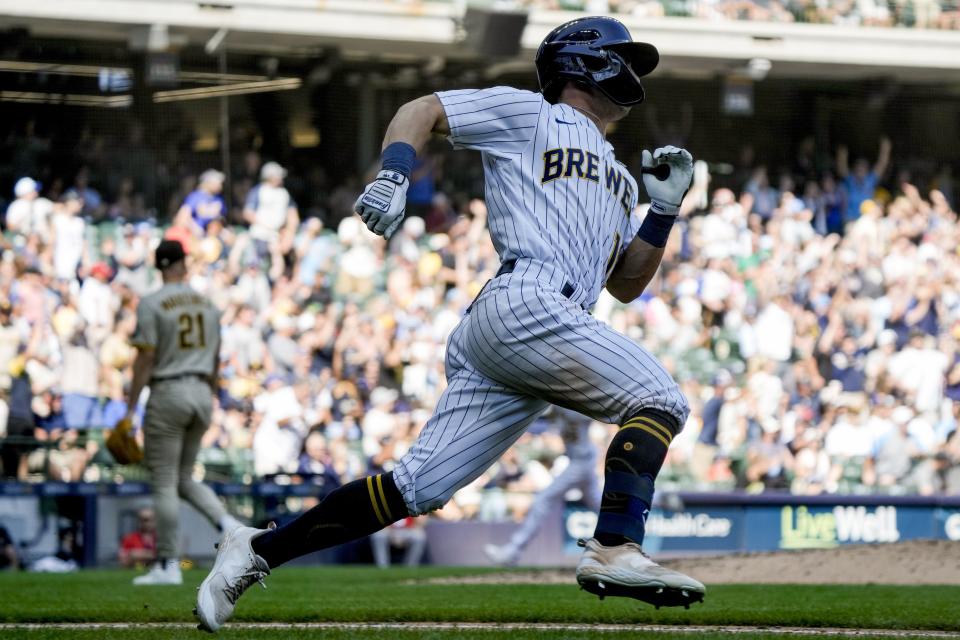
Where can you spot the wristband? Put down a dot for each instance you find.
(664, 208)
(655, 229)
(399, 157)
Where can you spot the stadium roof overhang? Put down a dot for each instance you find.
(689, 48)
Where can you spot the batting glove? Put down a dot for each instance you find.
(382, 204)
(666, 195)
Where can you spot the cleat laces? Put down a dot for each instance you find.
(242, 582)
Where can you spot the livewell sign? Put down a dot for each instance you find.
(803, 527)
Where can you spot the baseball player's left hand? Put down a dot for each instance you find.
(666, 195)
(382, 204)
(122, 443)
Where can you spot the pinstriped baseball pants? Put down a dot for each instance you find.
(523, 346)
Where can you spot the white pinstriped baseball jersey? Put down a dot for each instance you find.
(554, 190)
(560, 213)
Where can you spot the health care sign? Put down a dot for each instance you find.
(766, 527)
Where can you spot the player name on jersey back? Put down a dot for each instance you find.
(182, 299)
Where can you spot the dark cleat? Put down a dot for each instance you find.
(656, 596)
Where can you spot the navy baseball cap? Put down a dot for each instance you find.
(169, 252)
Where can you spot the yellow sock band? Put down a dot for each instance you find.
(652, 427)
(383, 497)
(373, 500)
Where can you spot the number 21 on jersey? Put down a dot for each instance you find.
(192, 335)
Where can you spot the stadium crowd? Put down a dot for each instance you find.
(813, 320)
(920, 14)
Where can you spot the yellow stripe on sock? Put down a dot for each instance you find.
(383, 497)
(373, 500)
(666, 432)
(656, 434)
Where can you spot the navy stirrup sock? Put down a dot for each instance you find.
(633, 461)
(352, 511)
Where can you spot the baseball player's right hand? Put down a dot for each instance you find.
(666, 195)
(382, 204)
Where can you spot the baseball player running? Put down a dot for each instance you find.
(580, 474)
(178, 343)
(561, 218)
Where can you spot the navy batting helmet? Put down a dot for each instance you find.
(598, 51)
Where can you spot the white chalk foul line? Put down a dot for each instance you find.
(491, 626)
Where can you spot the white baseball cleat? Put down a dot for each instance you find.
(235, 569)
(500, 555)
(161, 573)
(228, 524)
(625, 570)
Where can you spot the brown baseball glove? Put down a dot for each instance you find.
(123, 445)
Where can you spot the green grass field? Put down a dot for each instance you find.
(366, 595)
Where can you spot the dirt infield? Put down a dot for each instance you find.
(914, 562)
(492, 626)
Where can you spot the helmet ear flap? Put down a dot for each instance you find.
(551, 91)
(583, 85)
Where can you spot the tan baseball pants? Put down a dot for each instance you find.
(178, 414)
